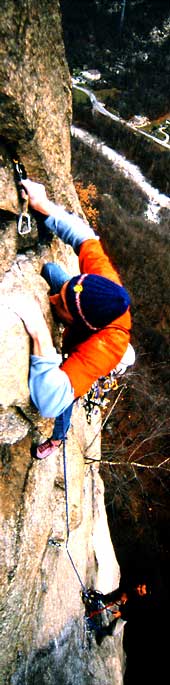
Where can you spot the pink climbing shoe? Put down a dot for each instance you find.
(47, 448)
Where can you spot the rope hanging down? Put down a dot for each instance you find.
(92, 599)
(98, 393)
(67, 513)
(96, 611)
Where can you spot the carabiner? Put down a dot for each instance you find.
(24, 223)
(54, 543)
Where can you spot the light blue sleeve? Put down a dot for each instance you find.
(50, 387)
(69, 227)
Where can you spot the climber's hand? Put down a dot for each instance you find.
(28, 309)
(37, 195)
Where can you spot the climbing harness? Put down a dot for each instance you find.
(24, 221)
(96, 396)
(97, 615)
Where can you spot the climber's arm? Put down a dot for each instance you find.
(50, 387)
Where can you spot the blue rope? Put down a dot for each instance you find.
(67, 511)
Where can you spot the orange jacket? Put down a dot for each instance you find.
(102, 351)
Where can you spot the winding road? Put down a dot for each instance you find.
(100, 107)
(156, 200)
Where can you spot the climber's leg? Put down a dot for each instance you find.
(61, 427)
(62, 424)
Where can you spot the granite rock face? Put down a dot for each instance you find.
(35, 92)
(41, 605)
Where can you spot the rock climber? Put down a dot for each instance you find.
(103, 611)
(95, 308)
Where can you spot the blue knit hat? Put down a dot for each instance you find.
(96, 300)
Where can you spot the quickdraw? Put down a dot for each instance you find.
(96, 397)
(24, 221)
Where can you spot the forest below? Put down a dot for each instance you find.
(135, 439)
(132, 55)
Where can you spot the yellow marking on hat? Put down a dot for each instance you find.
(78, 288)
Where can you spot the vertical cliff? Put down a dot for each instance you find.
(41, 605)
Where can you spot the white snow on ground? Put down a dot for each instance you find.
(156, 200)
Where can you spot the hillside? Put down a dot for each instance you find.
(136, 437)
(132, 56)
